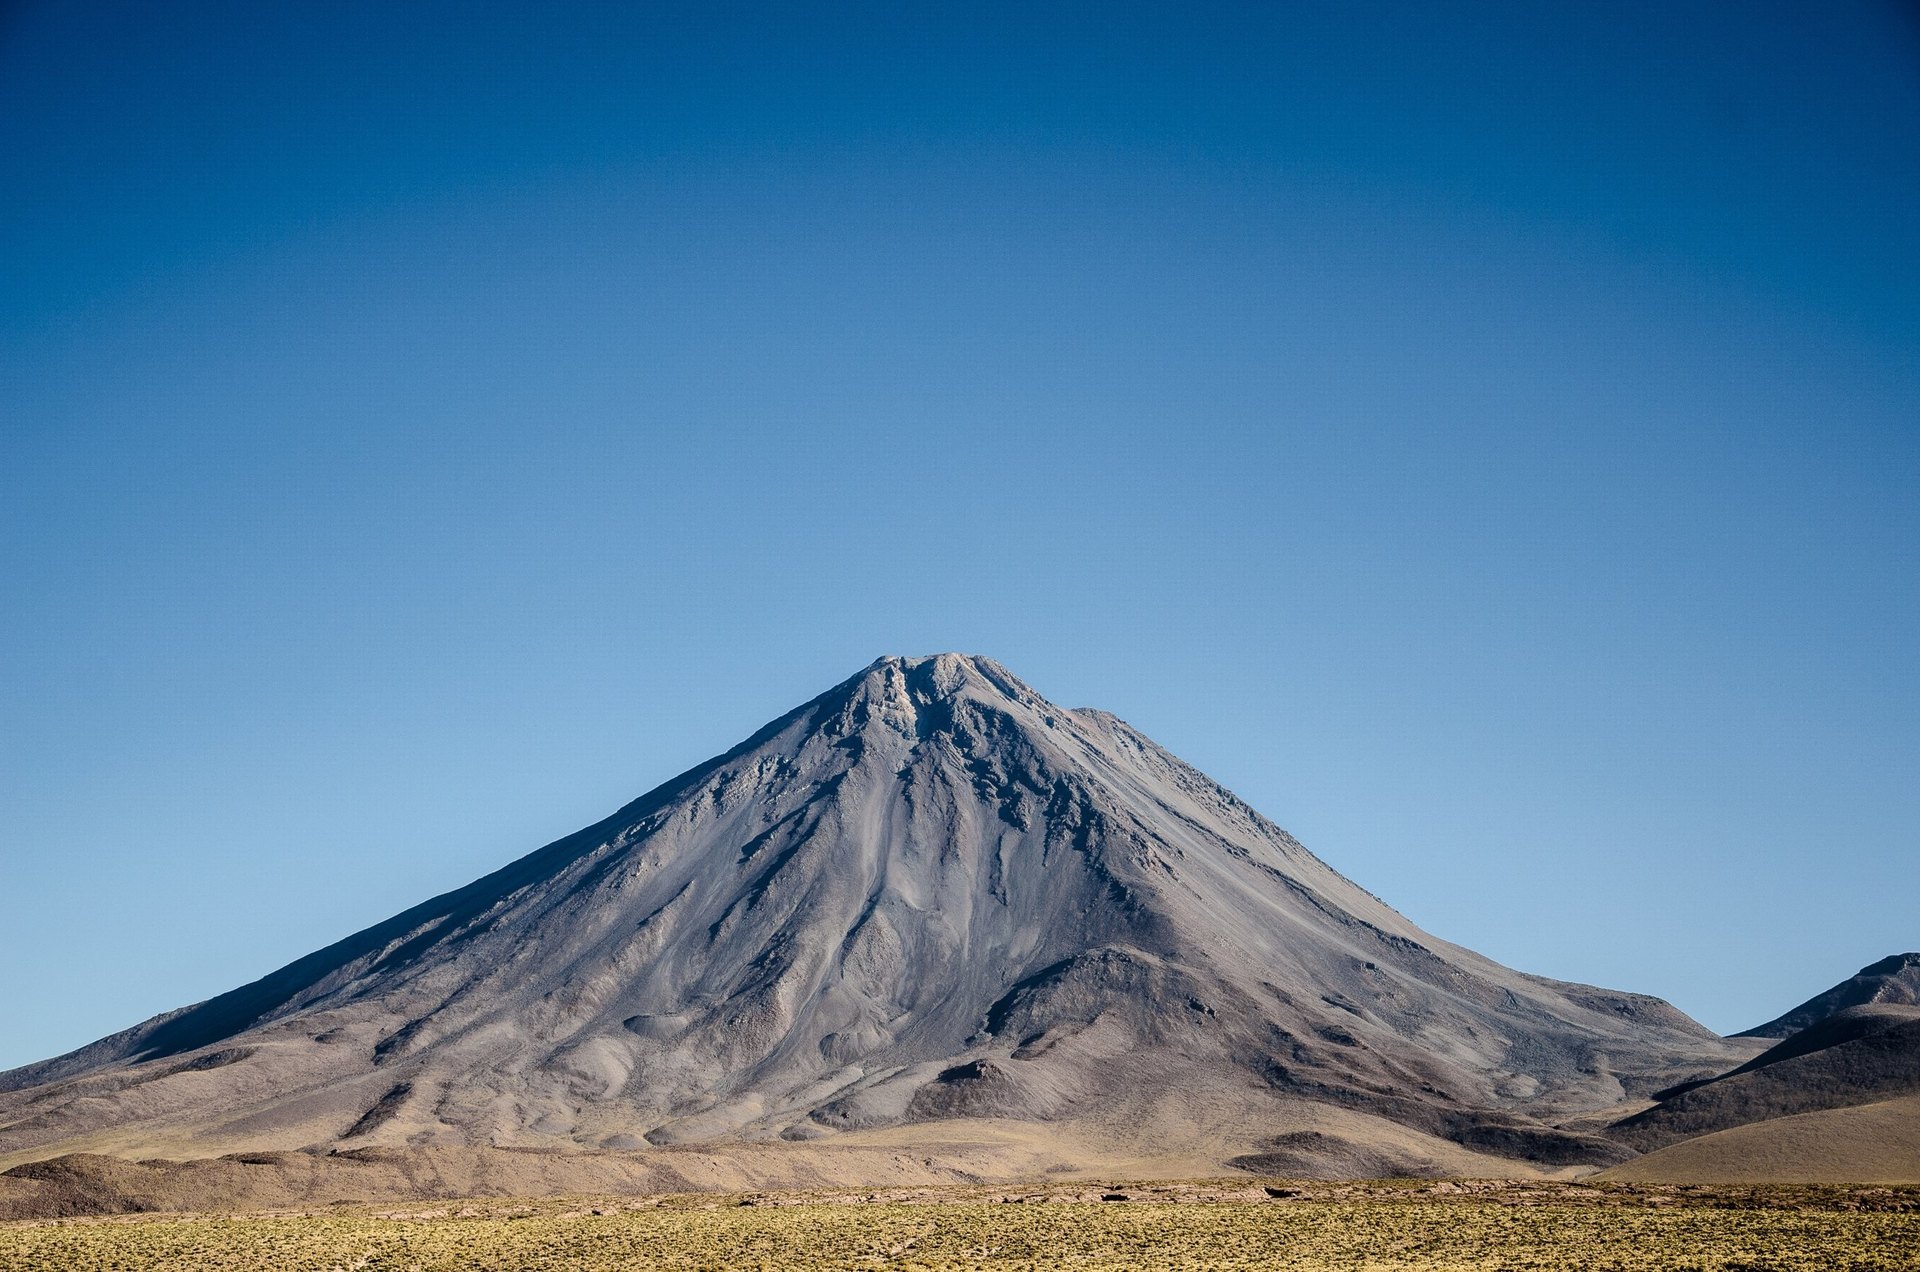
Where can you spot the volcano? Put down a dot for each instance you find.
(929, 894)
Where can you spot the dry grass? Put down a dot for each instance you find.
(1482, 1227)
(1868, 1142)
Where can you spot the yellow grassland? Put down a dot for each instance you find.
(1386, 1226)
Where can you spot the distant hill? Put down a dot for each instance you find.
(1859, 1055)
(1836, 1100)
(1875, 1143)
(1894, 980)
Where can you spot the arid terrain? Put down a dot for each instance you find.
(1111, 1225)
(930, 930)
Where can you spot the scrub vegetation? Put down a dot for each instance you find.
(1425, 1225)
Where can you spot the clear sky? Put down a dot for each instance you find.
(1485, 437)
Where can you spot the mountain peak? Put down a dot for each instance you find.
(1894, 980)
(931, 677)
(917, 697)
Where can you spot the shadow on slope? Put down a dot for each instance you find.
(1894, 981)
(1858, 1055)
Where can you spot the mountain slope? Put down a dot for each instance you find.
(1861, 1055)
(1894, 981)
(1837, 1100)
(926, 894)
(1876, 1143)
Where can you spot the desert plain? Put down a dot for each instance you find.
(1221, 1224)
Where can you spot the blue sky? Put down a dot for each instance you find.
(1485, 437)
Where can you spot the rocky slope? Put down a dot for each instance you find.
(1894, 981)
(927, 894)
